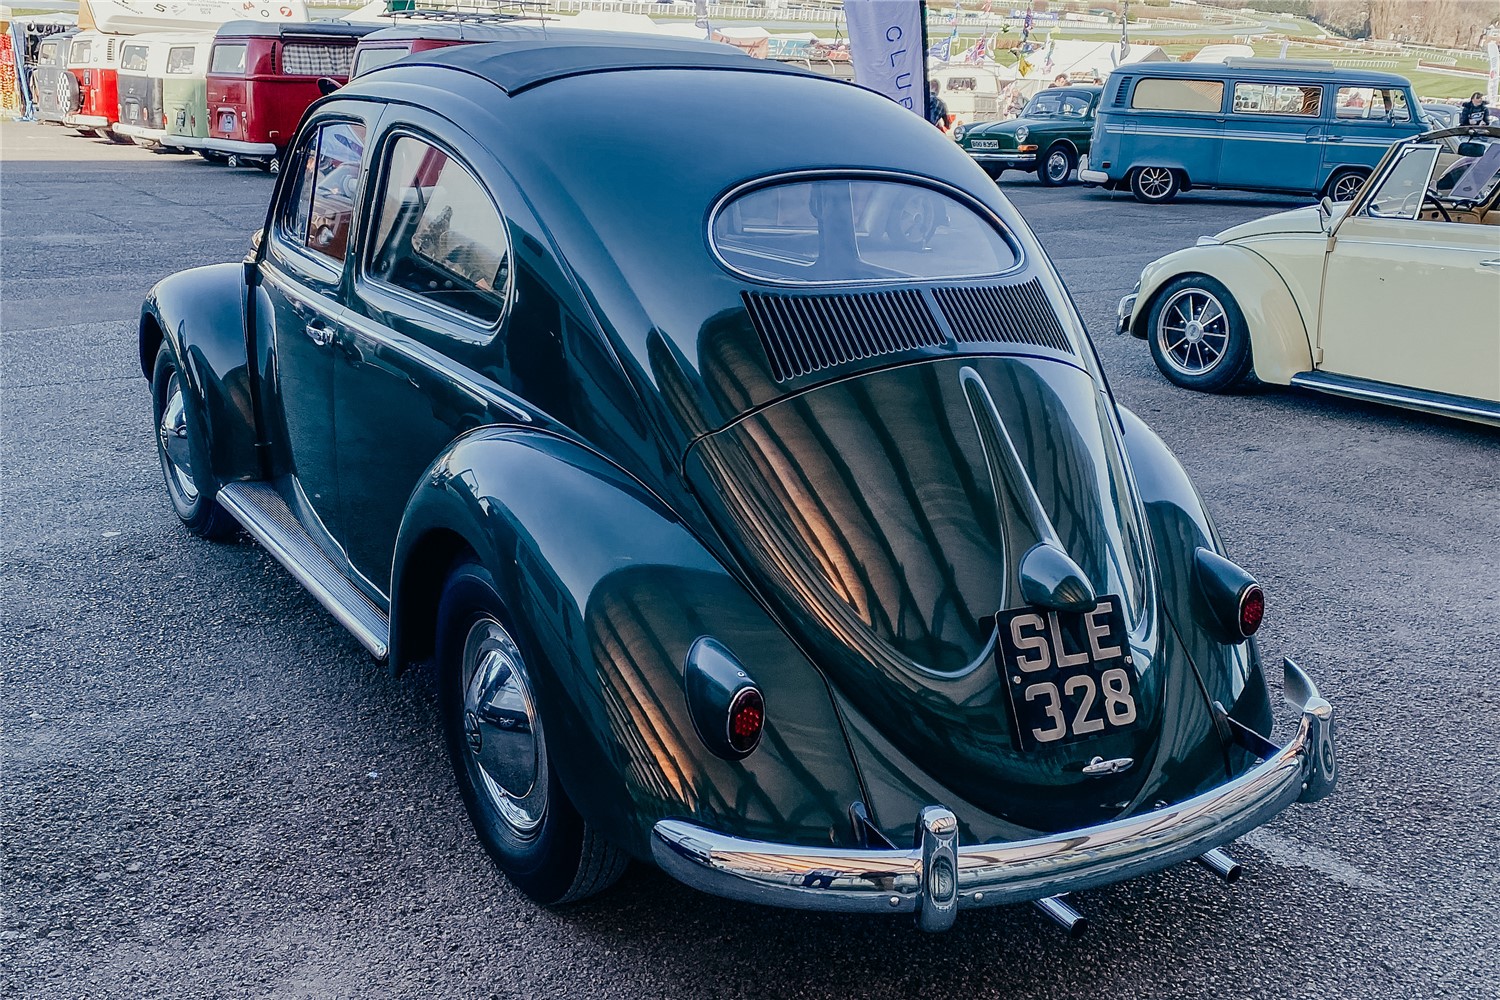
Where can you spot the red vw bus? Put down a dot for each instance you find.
(262, 77)
(94, 61)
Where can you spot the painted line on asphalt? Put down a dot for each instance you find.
(1289, 853)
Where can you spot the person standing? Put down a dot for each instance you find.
(937, 110)
(1474, 111)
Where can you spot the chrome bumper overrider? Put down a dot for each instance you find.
(1126, 309)
(938, 876)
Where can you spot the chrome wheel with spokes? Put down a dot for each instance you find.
(1154, 185)
(502, 732)
(1199, 337)
(1345, 185)
(1192, 330)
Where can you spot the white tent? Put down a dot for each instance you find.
(1220, 53)
(129, 17)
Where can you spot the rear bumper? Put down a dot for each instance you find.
(938, 877)
(185, 141)
(141, 132)
(237, 147)
(86, 121)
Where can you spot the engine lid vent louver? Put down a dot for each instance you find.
(1012, 314)
(802, 334)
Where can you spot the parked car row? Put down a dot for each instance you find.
(1156, 129)
(233, 96)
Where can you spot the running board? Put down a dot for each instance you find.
(1442, 403)
(266, 516)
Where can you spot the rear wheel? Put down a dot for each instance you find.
(499, 753)
(1199, 338)
(1155, 185)
(213, 157)
(1344, 185)
(183, 452)
(1056, 165)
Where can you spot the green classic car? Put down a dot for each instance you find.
(1052, 133)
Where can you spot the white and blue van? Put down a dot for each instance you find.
(1292, 125)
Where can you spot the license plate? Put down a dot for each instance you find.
(985, 144)
(226, 121)
(1069, 675)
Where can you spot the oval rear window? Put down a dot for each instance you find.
(851, 229)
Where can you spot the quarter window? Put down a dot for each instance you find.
(366, 60)
(1178, 95)
(1380, 103)
(307, 59)
(438, 234)
(856, 230)
(1278, 99)
(227, 59)
(1405, 186)
(320, 207)
(81, 52)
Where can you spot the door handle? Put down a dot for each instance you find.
(1490, 263)
(320, 332)
(1334, 138)
(1316, 138)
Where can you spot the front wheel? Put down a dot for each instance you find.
(1056, 166)
(499, 752)
(1155, 185)
(1199, 337)
(183, 453)
(1345, 184)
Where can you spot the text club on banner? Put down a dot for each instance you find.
(885, 46)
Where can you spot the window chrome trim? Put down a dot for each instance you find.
(911, 180)
(283, 237)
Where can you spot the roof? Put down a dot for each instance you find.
(316, 29)
(535, 56)
(1268, 69)
(408, 29)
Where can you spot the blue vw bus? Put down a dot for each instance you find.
(1293, 125)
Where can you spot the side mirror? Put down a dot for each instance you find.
(256, 239)
(1471, 148)
(1326, 206)
(327, 85)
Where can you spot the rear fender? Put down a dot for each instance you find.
(1230, 674)
(607, 590)
(201, 313)
(1279, 340)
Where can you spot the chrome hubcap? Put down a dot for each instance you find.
(1193, 331)
(1156, 181)
(176, 457)
(502, 734)
(1057, 166)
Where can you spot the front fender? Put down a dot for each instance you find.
(609, 590)
(1279, 340)
(1179, 524)
(201, 313)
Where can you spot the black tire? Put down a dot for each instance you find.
(1055, 166)
(560, 859)
(1216, 356)
(183, 453)
(1155, 185)
(219, 158)
(1344, 184)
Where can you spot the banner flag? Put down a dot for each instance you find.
(885, 46)
(1494, 87)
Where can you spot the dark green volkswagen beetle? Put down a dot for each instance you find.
(758, 500)
(1048, 139)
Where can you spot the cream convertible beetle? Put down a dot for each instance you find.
(1393, 297)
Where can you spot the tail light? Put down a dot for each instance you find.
(726, 706)
(1230, 603)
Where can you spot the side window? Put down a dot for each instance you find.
(180, 59)
(133, 59)
(319, 207)
(81, 52)
(438, 234)
(1178, 95)
(1278, 99)
(308, 59)
(1378, 103)
(1076, 105)
(229, 59)
(1405, 186)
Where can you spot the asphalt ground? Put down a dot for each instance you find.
(208, 789)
